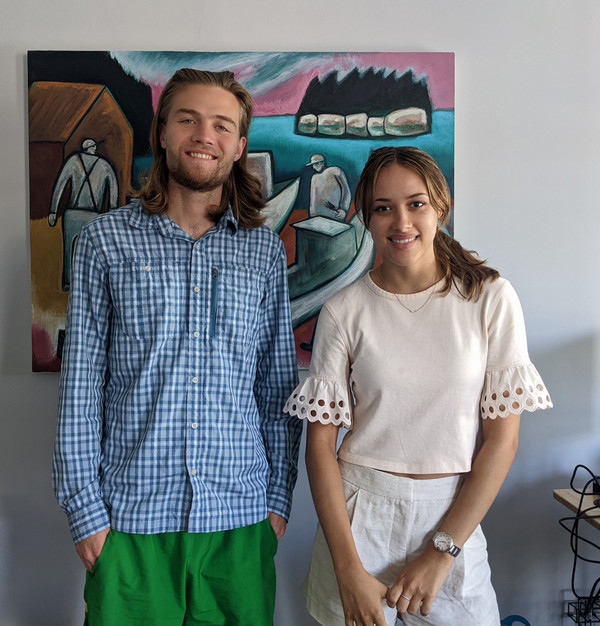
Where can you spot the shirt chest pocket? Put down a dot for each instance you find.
(147, 298)
(236, 297)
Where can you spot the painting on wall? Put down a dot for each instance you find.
(317, 118)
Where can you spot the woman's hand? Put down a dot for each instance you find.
(362, 598)
(420, 582)
(362, 595)
(422, 579)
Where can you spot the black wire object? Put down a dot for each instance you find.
(586, 608)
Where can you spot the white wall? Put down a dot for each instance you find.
(527, 171)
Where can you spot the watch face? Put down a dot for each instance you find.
(442, 542)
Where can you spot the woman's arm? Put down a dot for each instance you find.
(361, 593)
(422, 579)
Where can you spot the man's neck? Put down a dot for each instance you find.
(193, 211)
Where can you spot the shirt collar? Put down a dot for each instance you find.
(228, 221)
(145, 221)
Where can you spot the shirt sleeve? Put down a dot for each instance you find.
(512, 384)
(324, 395)
(76, 460)
(276, 375)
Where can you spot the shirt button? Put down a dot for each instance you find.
(194, 425)
(147, 268)
(196, 334)
(195, 379)
(197, 246)
(196, 289)
(193, 472)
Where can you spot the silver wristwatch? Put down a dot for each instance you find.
(442, 542)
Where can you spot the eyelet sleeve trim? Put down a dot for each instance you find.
(321, 400)
(513, 390)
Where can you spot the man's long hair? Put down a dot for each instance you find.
(458, 265)
(241, 190)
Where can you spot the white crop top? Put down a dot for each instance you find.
(411, 387)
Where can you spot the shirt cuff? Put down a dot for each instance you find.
(88, 521)
(279, 502)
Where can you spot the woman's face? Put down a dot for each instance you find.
(403, 220)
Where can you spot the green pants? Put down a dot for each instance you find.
(184, 579)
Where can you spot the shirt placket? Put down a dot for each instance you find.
(198, 375)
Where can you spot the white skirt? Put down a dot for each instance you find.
(392, 520)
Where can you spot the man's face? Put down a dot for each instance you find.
(201, 137)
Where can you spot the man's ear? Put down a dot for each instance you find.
(240, 150)
(163, 143)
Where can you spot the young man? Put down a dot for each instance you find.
(173, 459)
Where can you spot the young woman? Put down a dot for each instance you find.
(424, 361)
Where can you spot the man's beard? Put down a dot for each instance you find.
(194, 183)
(186, 177)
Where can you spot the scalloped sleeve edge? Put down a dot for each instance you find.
(321, 400)
(513, 390)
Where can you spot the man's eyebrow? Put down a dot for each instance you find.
(225, 118)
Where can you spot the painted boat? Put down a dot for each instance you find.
(309, 304)
(278, 208)
(279, 197)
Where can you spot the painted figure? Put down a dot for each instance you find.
(173, 460)
(433, 342)
(93, 189)
(330, 194)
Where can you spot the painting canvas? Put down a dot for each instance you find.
(317, 118)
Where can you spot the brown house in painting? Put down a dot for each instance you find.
(61, 116)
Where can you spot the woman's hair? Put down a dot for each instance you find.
(241, 190)
(459, 266)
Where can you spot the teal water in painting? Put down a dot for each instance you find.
(291, 152)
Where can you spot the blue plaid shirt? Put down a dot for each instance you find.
(178, 359)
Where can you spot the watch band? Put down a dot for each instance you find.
(454, 550)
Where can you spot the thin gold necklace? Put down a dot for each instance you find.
(383, 280)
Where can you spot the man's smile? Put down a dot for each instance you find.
(201, 155)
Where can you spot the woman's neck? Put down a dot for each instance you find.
(405, 280)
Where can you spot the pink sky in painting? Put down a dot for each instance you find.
(283, 97)
(439, 70)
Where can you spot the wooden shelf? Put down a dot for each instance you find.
(571, 500)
